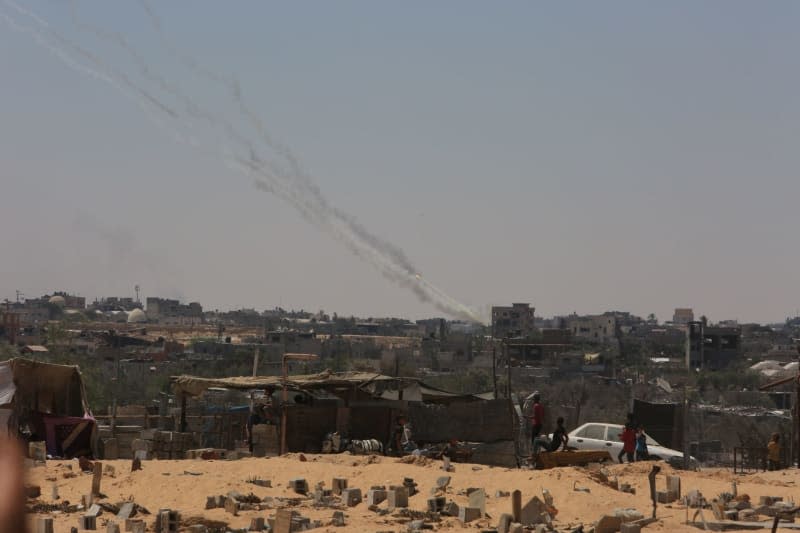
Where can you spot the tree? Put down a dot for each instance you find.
(652, 318)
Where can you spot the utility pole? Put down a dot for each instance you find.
(494, 367)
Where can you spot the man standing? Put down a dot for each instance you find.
(536, 416)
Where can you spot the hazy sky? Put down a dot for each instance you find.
(581, 156)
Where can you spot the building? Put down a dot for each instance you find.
(513, 322)
(683, 315)
(593, 328)
(712, 347)
(168, 311)
(114, 303)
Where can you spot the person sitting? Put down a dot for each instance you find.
(559, 439)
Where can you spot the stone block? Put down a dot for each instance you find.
(299, 485)
(125, 511)
(468, 514)
(435, 505)
(231, 506)
(338, 519)
(477, 500)
(450, 509)
(44, 525)
(257, 524)
(135, 525)
(630, 527)
(351, 497)
(674, 486)
(375, 496)
(504, 524)
(397, 497)
(338, 485)
(87, 522)
(608, 524)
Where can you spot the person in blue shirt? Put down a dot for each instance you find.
(641, 445)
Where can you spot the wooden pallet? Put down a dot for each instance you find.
(576, 458)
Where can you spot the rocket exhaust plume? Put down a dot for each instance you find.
(243, 141)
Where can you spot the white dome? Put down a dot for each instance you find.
(58, 300)
(137, 315)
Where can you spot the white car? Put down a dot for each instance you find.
(601, 436)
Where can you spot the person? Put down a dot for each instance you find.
(774, 452)
(257, 416)
(641, 445)
(560, 438)
(12, 502)
(628, 438)
(537, 418)
(403, 442)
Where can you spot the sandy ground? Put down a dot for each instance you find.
(171, 484)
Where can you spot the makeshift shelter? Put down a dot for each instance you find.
(363, 405)
(49, 402)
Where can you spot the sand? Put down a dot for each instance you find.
(184, 486)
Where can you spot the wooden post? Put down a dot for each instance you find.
(97, 474)
(183, 412)
(516, 505)
(651, 477)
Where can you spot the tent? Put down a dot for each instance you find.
(49, 401)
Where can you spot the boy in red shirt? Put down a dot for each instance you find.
(628, 438)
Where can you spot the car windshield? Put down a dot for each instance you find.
(616, 429)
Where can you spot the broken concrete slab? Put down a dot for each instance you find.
(442, 482)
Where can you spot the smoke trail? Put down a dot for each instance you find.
(281, 175)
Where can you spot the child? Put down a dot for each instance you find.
(774, 453)
(641, 445)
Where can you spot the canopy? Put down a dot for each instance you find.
(195, 386)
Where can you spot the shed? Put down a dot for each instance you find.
(45, 401)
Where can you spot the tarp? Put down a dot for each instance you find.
(7, 388)
(195, 386)
(47, 388)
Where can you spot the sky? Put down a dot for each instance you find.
(579, 156)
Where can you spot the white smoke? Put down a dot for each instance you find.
(272, 166)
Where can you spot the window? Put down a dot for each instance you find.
(594, 431)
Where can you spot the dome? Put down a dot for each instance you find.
(137, 315)
(58, 300)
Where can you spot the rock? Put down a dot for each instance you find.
(443, 482)
(468, 514)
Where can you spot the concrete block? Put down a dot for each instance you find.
(674, 486)
(351, 497)
(450, 509)
(231, 506)
(468, 514)
(533, 512)
(397, 497)
(375, 496)
(435, 505)
(125, 511)
(477, 500)
(87, 522)
(44, 525)
(135, 525)
(256, 524)
(608, 524)
(112, 527)
(338, 519)
(338, 485)
(630, 528)
(299, 485)
(504, 524)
